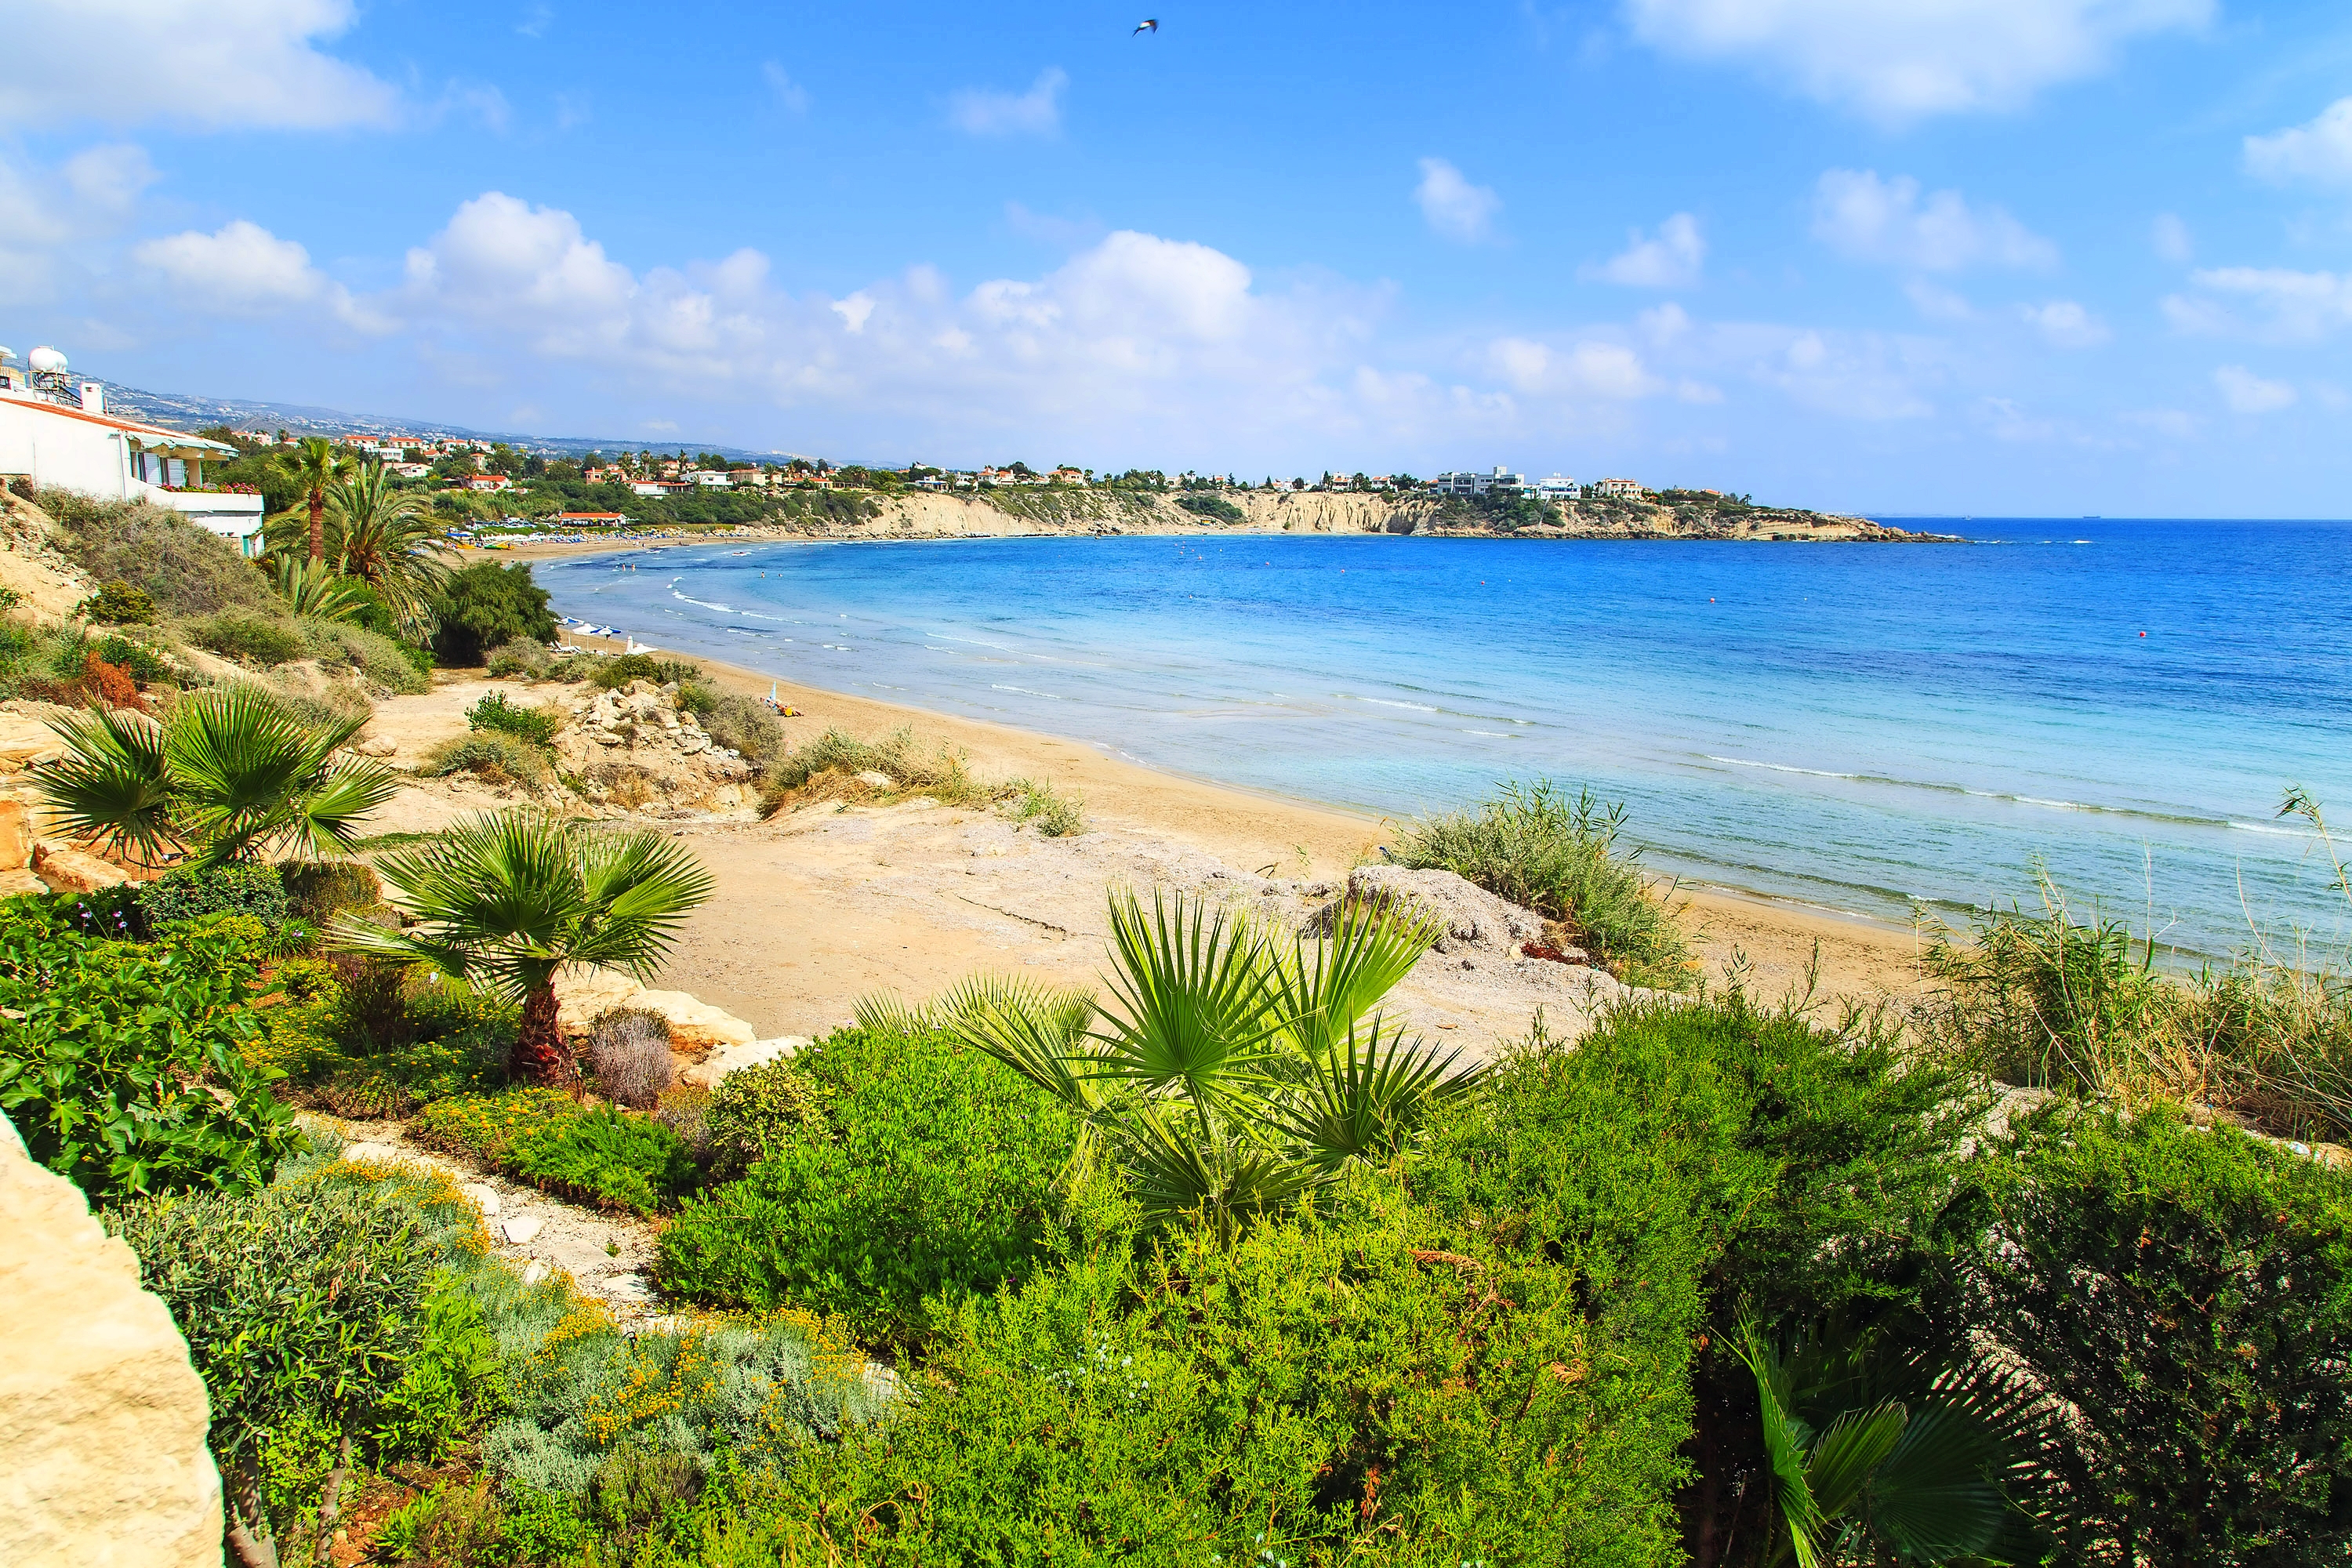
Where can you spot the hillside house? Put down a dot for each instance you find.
(1466, 483)
(488, 484)
(55, 433)
(1622, 490)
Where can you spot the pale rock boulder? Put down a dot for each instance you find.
(581, 995)
(63, 869)
(16, 836)
(1470, 919)
(695, 1026)
(102, 1418)
(707, 1073)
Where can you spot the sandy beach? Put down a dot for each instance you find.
(819, 906)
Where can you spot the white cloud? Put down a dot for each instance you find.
(1856, 376)
(2320, 151)
(981, 111)
(2169, 238)
(1454, 207)
(244, 271)
(854, 310)
(2289, 307)
(1672, 260)
(790, 94)
(208, 64)
(2174, 423)
(1896, 62)
(2247, 393)
(2066, 324)
(1866, 219)
(45, 214)
(1586, 370)
(527, 270)
(1937, 304)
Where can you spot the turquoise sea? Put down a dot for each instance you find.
(1857, 727)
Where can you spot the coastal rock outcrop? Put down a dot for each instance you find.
(1474, 921)
(635, 747)
(102, 1418)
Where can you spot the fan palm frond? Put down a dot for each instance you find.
(1193, 1000)
(1325, 988)
(1178, 1169)
(1367, 1095)
(114, 785)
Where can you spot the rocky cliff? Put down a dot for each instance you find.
(1019, 513)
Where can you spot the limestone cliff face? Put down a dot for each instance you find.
(102, 1419)
(1023, 513)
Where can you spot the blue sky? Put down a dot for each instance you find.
(1956, 256)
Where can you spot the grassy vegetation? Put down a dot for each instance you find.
(828, 768)
(491, 755)
(1533, 846)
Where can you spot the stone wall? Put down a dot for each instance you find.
(102, 1419)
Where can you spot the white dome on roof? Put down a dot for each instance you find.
(46, 359)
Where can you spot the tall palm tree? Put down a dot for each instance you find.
(227, 775)
(508, 901)
(385, 537)
(1232, 1071)
(316, 463)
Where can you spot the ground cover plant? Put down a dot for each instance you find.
(496, 715)
(831, 766)
(1533, 846)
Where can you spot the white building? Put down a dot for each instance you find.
(1470, 484)
(55, 432)
(1625, 487)
(1557, 487)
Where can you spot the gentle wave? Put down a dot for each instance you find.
(722, 609)
(1384, 702)
(1025, 691)
(2186, 819)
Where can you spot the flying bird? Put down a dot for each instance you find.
(1149, 25)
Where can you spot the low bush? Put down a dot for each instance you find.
(387, 662)
(138, 661)
(183, 569)
(2188, 1295)
(628, 1052)
(295, 1304)
(492, 756)
(760, 1110)
(195, 892)
(832, 762)
(487, 606)
(118, 603)
(252, 638)
(937, 1187)
(1216, 507)
(318, 891)
(1533, 846)
(612, 674)
(523, 657)
(495, 715)
(120, 1063)
(486, 1126)
(741, 724)
(1047, 810)
(604, 1155)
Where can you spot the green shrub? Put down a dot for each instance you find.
(607, 1156)
(936, 1187)
(485, 606)
(486, 1126)
(1533, 846)
(184, 569)
(614, 673)
(295, 1304)
(250, 637)
(2188, 1295)
(195, 892)
(384, 659)
(521, 656)
(743, 723)
(490, 755)
(144, 664)
(319, 891)
(1046, 809)
(1213, 507)
(760, 1111)
(496, 715)
(836, 754)
(120, 1063)
(118, 603)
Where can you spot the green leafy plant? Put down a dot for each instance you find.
(198, 891)
(485, 606)
(488, 1126)
(2188, 1295)
(385, 537)
(939, 1185)
(118, 603)
(318, 891)
(491, 755)
(614, 673)
(226, 776)
(314, 589)
(1215, 508)
(760, 1110)
(120, 1063)
(1232, 1072)
(316, 462)
(294, 1304)
(1533, 846)
(142, 663)
(606, 1156)
(539, 726)
(256, 640)
(1047, 810)
(505, 901)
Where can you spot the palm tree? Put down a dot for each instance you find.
(383, 537)
(311, 588)
(1874, 1454)
(227, 775)
(507, 901)
(316, 463)
(1232, 1072)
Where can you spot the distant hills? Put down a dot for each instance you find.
(179, 411)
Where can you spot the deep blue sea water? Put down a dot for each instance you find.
(1852, 726)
